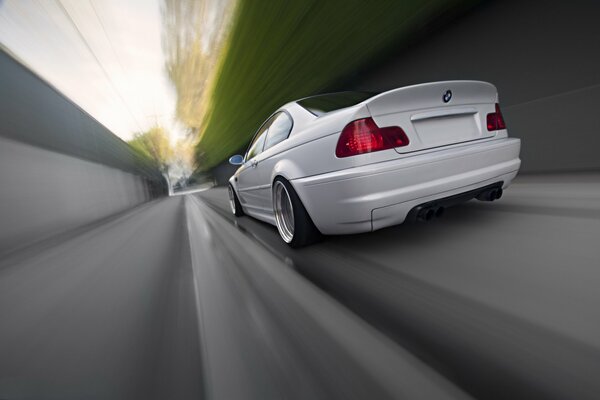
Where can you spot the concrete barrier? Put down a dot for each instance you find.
(59, 167)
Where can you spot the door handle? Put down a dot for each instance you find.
(254, 163)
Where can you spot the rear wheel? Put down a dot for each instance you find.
(234, 203)
(293, 222)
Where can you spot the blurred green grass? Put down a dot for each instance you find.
(279, 51)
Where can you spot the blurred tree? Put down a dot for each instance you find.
(192, 39)
(183, 157)
(229, 81)
(154, 144)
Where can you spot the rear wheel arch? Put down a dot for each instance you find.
(295, 191)
(304, 231)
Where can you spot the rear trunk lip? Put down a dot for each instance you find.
(491, 95)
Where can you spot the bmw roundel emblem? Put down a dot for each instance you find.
(447, 96)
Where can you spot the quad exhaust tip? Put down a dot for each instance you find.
(439, 212)
(490, 195)
(428, 213)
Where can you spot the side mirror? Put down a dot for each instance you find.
(236, 160)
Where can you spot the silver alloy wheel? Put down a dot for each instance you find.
(231, 199)
(284, 211)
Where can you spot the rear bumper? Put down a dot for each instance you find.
(375, 196)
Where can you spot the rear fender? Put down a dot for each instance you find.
(290, 171)
(287, 169)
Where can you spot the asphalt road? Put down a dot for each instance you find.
(106, 312)
(500, 298)
(177, 299)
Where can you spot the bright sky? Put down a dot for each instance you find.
(119, 79)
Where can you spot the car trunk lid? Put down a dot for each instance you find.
(436, 114)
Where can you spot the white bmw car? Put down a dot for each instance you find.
(354, 162)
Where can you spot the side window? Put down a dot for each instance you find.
(259, 139)
(257, 146)
(279, 130)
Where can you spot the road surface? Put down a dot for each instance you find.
(178, 299)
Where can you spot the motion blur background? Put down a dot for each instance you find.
(111, 288)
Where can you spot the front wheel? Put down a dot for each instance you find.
(234, 203)
(293, 222)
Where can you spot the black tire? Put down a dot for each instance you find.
(234, 202)
(304, 230)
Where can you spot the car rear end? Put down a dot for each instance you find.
(437, 141)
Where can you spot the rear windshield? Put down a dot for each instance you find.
(323, 103)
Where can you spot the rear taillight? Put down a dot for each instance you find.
(495, 120)
(364, 136)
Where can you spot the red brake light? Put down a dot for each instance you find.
(495, 120)
(364, 136)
